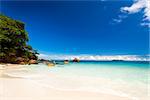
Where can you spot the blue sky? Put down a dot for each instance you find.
(83, 27)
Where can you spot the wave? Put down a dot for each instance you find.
(63, 85)
(51, 79)
(85, 84)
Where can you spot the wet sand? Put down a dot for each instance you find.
(16, 88)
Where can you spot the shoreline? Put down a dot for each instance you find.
(19, 88)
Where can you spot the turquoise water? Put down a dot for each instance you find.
(127, 71)
(127, 79)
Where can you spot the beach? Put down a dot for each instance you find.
(74, 50)
(20, 82)
(21, 89)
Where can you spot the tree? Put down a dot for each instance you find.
(13, 41)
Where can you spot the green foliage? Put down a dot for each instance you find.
(13, 41)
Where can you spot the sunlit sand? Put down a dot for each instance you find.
(20, 83)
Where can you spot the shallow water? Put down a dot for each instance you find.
(127, 71)
(127, 79)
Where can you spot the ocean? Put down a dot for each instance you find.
(123, 78)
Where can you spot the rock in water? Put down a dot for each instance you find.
(76, 60)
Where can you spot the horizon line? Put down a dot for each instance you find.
(95, 57)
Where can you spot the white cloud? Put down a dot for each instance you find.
(136, 7)
(96, 57)
(117, 20)
(145, 24)
(147, 10)
(43, 56)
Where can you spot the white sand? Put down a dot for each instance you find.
(23, 89)
(15, 88)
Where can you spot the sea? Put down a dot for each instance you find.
(121, 78)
